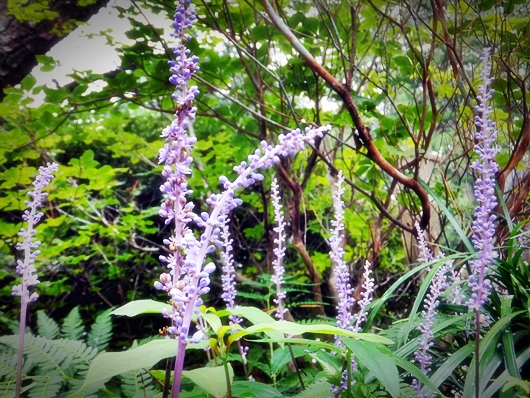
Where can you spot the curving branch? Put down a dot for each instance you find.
(364, 138)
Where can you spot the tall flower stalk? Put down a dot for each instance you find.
(486, 166)
(188, 277)
(483, 224)
(345, 319)
(279, 250)
(175, 155)
(26, 267)
(340, 269)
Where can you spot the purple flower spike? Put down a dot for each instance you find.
(26, 267)
(486, 166)
(279, 250)
(425, 252)
(346, 300)
(438, 287)
(368, 289)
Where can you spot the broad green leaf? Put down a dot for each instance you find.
(109, 364)
(213, 320)
(138, 307)
(296, 328)
(212, 380)
(379, 360)
(309, 342)
(253, 389)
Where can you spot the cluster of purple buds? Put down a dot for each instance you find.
(26, 268)
(487, 167)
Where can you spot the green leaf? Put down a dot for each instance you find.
(109, 364)
(507, 340)
(487, 345)
(515, 382)
(47, 327)
(213, 320)
(28, 82)
(379, 360)
(416, 372)
(211, 379)
(282, 356)
(139, 307)
(253, 389)
(450, 364)
(296, 328)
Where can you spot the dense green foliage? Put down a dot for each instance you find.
(410, 67)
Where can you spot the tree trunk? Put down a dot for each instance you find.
(34, 32)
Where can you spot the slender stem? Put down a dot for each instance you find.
(296, 367)
(477, 354)
(227, 376)
(179, 363)
(349, 370)
(165, 393)
(22, 332)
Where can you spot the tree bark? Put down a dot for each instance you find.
(21, 41)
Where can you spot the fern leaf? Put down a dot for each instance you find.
(45, 386)
(13, 326)
(137, 383)
(254, 296)
(47, 327)
(317, 390)
(331, 365)
(53, 365)
(72, 328)
(101, 331)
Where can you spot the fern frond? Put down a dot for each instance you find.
(317, 390)
(53, 356)
(331, 364)
(101, 331)
(307, 304)
(317, 321)
(253, 296)
(53, 365)
(45, 386)
(14, 326)
(72, 327)
(137, 383)
(47, 327)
